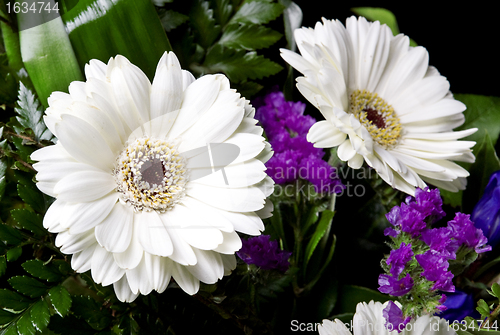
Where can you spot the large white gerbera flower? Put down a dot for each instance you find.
(383, 104)
(368, 320)
(152, 180)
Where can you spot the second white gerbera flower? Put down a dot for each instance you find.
(152, 180)
(383, 104)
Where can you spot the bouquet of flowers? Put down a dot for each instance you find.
(173, 167)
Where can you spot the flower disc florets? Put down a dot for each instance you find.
(151, 175)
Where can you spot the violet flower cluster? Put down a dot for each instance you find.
(264, 253)
(423, 259)
(294, 157)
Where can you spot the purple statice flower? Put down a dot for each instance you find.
(442, 307)
(440, 240)
(435, 267)
(465, 232)
(408, 219)
(394, 319)
(294, 157)
(486, 213)
(399, 257)
(428, 202)
(264, 253)
(391, 285)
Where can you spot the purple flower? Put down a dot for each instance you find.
(264, 253)
(398, 258)
(408, 219)
(294, 157)
(429, 203)
(394, 317)
(486, 213)
(439, 239)
(464, 232)
(393, 286)
(435, 267)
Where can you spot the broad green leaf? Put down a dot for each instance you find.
(3, 265)
(323, 226)
(60, 299)
(100, 29)
(483, 113)
(40, 315)
(32, 196)
(3, 184)
(202, 19)
(46, 52)
(495, 288)
(248, 36)
(29, 220)
(25, 326)
(486, 163)
(6, 317)
(171, 19)
(13, 254)
(239, 65)
(13, 301)
(89, 310)
(30, 114)
(383, 15)
(8, 83)
(257, 12)
(28, 286)
(222, 11)
(351, 295)
(10, 235)
(37, 268)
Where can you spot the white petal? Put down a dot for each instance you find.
(324, 135)
(86, 215)
(131, 257)
(82, 261)
(84, 186)
(105, 271)
(123, 292)
(245, 199)
(114, 233)
(209, 268)
(158, 270)
(230, 244)
(189, 283)
(138, 278)
(153, 236)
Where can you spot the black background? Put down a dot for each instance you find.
(462, 40)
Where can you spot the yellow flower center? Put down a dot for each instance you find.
(378, 117)
(150, 175)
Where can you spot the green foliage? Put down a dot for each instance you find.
(224, 36)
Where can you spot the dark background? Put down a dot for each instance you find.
(462, 40)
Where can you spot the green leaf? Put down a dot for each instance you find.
(46, 52)
(486, 163)
(351, 295)
(13, 301)
(495, 288)
(248, 37)
(10, 235)
(60, 299)
(14, 253)
(3, 265)
(40, 315)
(49, 272)
(28, 286)
(6, 317)
(25, 326)
(379, 14)
(323, 226)
(88, 309)
(483, 113)
(31, 114)
(171, 19)
(29, 220)
(239, 65)
(222, 11)
(32, 196)
(129, 28)
(202, 19)
(257, 12)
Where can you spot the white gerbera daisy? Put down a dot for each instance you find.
(368, 320)
(383, 104)
(152, 180)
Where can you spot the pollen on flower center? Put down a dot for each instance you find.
(378, 117)
(150, 175)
